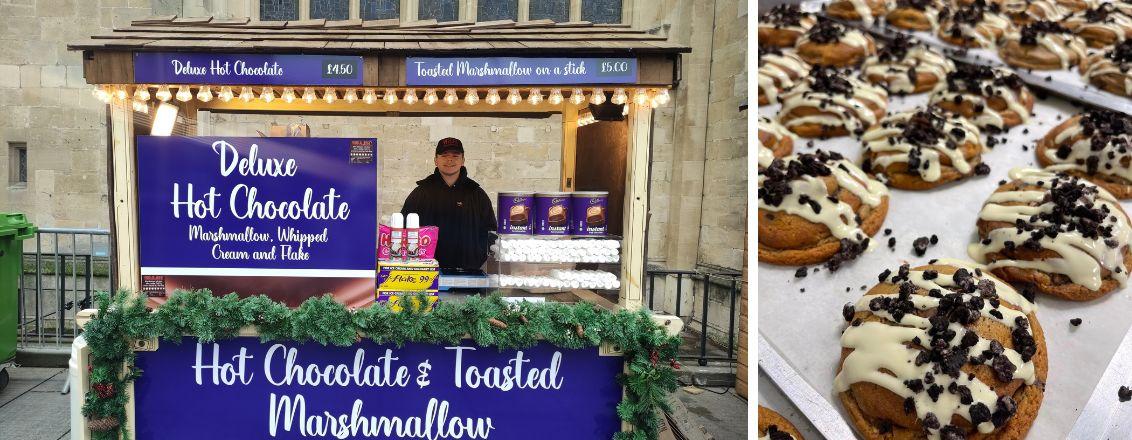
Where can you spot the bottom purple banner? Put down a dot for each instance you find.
(243, 388)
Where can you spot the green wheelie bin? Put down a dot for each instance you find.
(14, 229)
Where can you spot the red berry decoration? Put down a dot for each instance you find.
(675, 365)
(654, 357)
(104, 390)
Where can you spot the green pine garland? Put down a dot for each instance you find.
(122, 318)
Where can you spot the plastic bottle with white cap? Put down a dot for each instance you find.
(396, 226)
(412, 235)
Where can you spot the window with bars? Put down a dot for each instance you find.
(330, 9)
(17, 163)
(278, 10)
(557, 10)
(380, 9)
(491, 10)
(601, 11)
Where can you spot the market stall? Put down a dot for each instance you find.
(280, 220)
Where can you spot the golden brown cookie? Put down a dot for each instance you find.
(775, 141)
(829, 103)
(1095, 145)
(1102, 26)
(863, 10)
(975, 25)
(779, 70)
(1043, 45)
(833, 45)
(992, 98)
(1076, 5)
(1059, 234)
(905, 66)
(918, 15)
(772, 426)
(782, 25)
(1111, 70)
(802, 206)
(941, 351)
(1023, 12)
(923, 150)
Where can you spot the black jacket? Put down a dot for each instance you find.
(462, 212)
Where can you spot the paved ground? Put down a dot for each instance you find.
(31, 408)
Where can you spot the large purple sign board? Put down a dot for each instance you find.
(493, 71)
(243, 388)
(247, 69)
(288, 217)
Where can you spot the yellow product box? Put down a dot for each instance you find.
(396, 301)
(408, 276)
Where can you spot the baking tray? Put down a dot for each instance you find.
(805, 327)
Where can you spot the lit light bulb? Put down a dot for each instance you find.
(120, 93)
(472, 96)
(598, 97)
(534, 97)
(641, 97)
(514, 96)
(329, 95)
(351, 96)
(410, 96)
(430, 97)
(390, 97)
(619, 97)
(141, 93)
(288, 95)
(102, 95)
(577, 96)
(308, 95)
(492, 97)
(163, 94)
(555, 97)
(662, 98)
(139, 106)
(204, 94)
(450, 97)
(624, 110)
(246, 94)
(267, 95)
(225, 94)
(183, 94)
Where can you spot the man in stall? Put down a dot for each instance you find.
(456, 204)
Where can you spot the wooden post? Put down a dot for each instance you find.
(125, 227)
(636, 207)
(569, 146)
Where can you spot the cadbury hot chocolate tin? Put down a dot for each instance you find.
(516, 213)
(552, 213)
(589, 212)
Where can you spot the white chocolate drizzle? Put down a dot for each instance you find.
(853, 111)
(1102, 64)
(835, 214)
(1081, 258)
(989, 117)
(778, 72)
(984, 34)
(891, 146)
(931, 13)
(1115, 22)
(917, 60)
(1113, 157)
(1069, 49)
(767, 125)
(885, 353)
(850, 37)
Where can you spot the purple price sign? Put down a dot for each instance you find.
(243, 69)
(488, 71)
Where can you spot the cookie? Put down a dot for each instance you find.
(866, 11)
(772, 426)
(1095, 145)
(1102, 26)
(775, 141)
(976, 25)
(1058, 234)
(991, 97)
(817, 207)
(917, 15)
(1043, 45)
(782, 25)
(831, 103)
(906, 66)
(1023, 12)
(941, 351)
(922, 150)
(1111, 70)
(779, 71)
(833, 45)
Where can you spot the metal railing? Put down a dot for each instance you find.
(57, 280)
(728, 279)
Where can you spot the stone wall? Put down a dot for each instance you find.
(47, 105)
(503, 154)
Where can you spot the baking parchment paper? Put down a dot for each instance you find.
(805, 327)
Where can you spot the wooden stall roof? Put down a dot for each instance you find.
(378, 37)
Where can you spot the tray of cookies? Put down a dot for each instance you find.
(944, 247)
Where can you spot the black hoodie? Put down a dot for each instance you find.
(462, 212)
